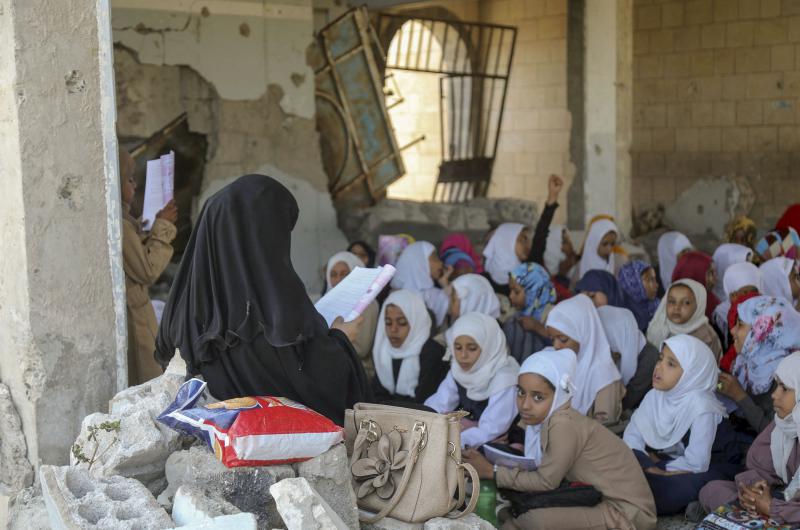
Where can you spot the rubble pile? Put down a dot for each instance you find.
(131, 472)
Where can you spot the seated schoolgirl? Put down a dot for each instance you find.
(568, 446)
(598, 248)
(699, 266)
(533, 295)
(408, 363)
(771, 482)
(633, 355)
(678, 433)
(472, 293)
(482, 379)
(779, 278)
(418, 268)
(767, 330)
(683, 311)
(339, 266)
(604, 289)
(574, 324)
(364, 251)
(560, 260)
(671, 246)
(639, 280)
(739, 279)
(508, 246)
(457, 251)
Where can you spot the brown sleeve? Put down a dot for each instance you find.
(145, 260)
(561, 454)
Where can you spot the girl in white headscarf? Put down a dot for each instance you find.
(634, 356)
(679, 419)
(683, 311)
(472, 293)
(417, 269)
(726, 255)
(509, 246)
(569, 446)
(339, 266)
(771, 483)
(779, 279)
(671, 246)
(408, 363)
(598, 248)
(574, 324)
(482, 379)
(739, 279)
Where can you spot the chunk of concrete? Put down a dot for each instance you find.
(301, 507)
(195, 504)
(238, 521)
(468, 522)
(329, 475)
(153, 395)
(16, 472)
(27, 511)
(247, 488)
(77, 499)
(708, 205)
(387, 523)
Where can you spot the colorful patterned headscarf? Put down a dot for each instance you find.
(779, 243)
(630, 280)
(391, 246)
(461, 242)
(748, 228)
(539, 289)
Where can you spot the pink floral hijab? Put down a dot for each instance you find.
(775, 333)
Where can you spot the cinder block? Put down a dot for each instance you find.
(647, 17)
(779, 112)
(672, 14)
(713, 36)
(763, 139)
(662, 41)
(769, 85)
(686, 140)
(739, 34)
(773, 31)
(301, 507)
(753, 60)
(789, 138)
(703, 114)
(749, 112)
(702, 63)
(782, 58)
(679, 114)
(663, 140)
(687, 38)
(725, 10)
(724, 163)
(734, 139)
(724, 61)
(749, 9)
(710, 140)
(724, 113)
(770, 8)
(699, 11)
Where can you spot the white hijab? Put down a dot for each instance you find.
(726, 255)
(664, 416)
(624, 337)
(740, 275)
(348, 258)
(553, 255)
(670, 244)
(476, 295)
(495, 370)
(413, 268)
(775, 278)
(662, 327)
(500, 252)
(577, 318)
(784, 436)
(558, 367)
(383, 353)
(590, 259)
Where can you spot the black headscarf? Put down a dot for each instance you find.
(236, 279)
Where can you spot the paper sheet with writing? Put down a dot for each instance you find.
(352, 295)
(497, 454)
(159, 187)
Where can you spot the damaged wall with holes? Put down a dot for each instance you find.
(238, 70)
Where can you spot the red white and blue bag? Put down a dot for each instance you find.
(252, 431)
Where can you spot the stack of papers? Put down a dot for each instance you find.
(352, 295)
(159, 187)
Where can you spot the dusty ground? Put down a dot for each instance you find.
(676, 522)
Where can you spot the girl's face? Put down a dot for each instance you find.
(783, 399)
(739, 332)
(650, 283)
(436, 266)
(668, 370)
(523, 245)
(362, 254)
(598, 297)
(794, 281)
(681, 304)
(711, 277)
(466, 352)
(455, 305)
(562, 341)
(535, 397)
(397, 327)
(517, 294)
(338, 273)
(606, 245)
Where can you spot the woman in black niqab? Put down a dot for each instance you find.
(240, 315)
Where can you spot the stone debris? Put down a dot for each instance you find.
(387, 523)
(247, 488)
(301, 507)
(27, 511)
(153, 395)
(15, 470)
(77, 499)
(329, 475)
(708, 205)
(239, 521)
(194, 507)
(468, 522)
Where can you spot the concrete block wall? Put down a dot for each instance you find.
(716, 91)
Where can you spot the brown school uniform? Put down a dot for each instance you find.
(579, 449)
(710, 338)
(366, 338)
(144, 258)
(607, 407)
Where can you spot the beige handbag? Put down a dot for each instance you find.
(406, 464)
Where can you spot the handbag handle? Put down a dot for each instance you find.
(476, 485)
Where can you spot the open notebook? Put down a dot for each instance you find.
(506, 456)
(159, 187)
(352, 295)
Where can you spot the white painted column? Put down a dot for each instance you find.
(608, 108)
(62, 293)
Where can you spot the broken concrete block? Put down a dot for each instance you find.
(153, 395)
(387, 523)
(301, 507)
(194, 504)
(238, 521)
(77, 499)
(247, 488)
(27, 511)
(16, 472)
(708, 205)
(329, 475)
(468, 522)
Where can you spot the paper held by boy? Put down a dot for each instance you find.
(159, 187)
